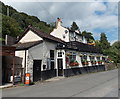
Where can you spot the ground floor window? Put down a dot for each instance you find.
(84, 60)
(98, 58)
(92, 59)
(72, 59)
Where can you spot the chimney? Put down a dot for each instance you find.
(58, 23)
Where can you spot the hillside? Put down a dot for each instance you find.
(16, 22)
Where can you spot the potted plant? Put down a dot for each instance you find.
(93, 62)
(74, 63)
(84, 62)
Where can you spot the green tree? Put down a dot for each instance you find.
(10, 27)
(97, 43)
(104, 44)
(116, 49)
(89, 36)
(74, 26)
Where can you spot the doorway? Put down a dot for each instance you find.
(60, 67)
(37, 70)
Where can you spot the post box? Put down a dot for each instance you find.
(27, 79)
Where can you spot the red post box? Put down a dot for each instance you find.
(27, 79)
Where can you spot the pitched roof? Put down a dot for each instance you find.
(20, 46)
(42, 34)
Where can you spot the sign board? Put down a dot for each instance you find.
(16, 79)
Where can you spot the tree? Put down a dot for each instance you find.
(97, 43)
(74, 26)
(10, 27)
(89, 36)
(104, 44)
(116, 50)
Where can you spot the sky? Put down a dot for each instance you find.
(95, 16)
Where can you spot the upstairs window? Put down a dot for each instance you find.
(59, 54)
(52, 54)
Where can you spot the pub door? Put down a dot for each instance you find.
(37, 70)
(60, 67)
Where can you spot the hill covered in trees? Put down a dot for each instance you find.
(14, 22)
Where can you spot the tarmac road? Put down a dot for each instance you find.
(101, 84)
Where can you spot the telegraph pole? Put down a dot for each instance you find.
(8, 11)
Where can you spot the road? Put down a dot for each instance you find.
(101, 84)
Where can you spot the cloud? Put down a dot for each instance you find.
(94, 16)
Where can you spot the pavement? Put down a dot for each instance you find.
(54, 79)
(101, 84)
(7, 85)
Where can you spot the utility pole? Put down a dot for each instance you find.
(8, 11)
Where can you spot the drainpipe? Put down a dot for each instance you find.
(42, 59)
(13, 70)
(57, 63)
(24, 67)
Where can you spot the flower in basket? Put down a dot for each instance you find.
(74, 63)
(99, 62)
(93, 62)
(84, 62)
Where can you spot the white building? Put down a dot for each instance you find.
(60, 53)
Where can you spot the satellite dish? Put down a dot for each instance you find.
(66, 31)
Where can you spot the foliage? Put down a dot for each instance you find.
(97, 43)
(10, 26)
(104, 44)
(116, 51)
(113, 52)
(89, 36)
(74, 26)
(74, 63)
(17, 22)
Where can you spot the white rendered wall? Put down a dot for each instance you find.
(21, 54)
(30, 36)
(59, 32)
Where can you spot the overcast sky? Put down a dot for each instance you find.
(95, 17)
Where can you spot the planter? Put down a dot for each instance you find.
(85, 63)
(99, 62)
(74, 64)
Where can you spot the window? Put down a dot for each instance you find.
(52, 54)
(85, 57)
(44, 66)
(98, 58)
(103, 58)
(72, 57)
(52, 59)
(59, 54)
(92, 58)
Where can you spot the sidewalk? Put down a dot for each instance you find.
(7, 85)
(54, 79)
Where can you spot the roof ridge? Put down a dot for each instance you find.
(44, 34)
